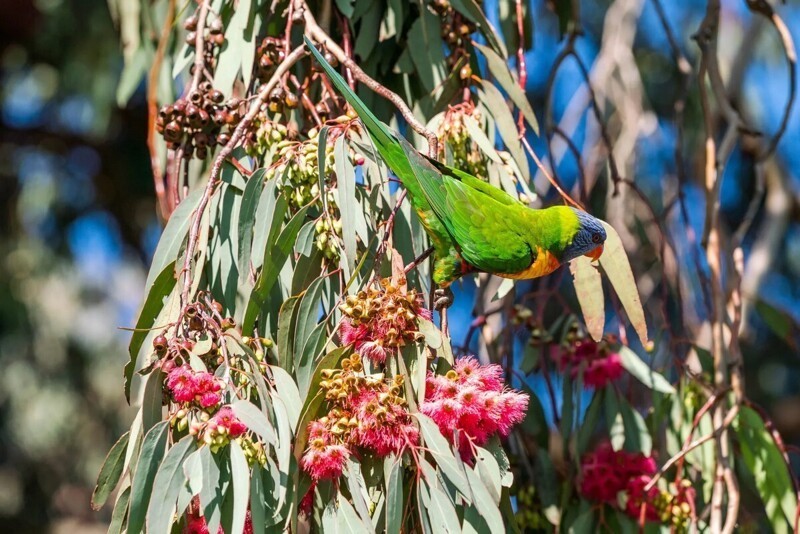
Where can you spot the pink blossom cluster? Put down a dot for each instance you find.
(601, 366)
(226, 423)
(202, 388)
(606, 472)
(473, 400)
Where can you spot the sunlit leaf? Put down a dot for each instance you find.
(768, 465)
(443, 454)
(153, 449)
(348, 207)
(499, 69)
(110, 472)
(589, 289)
(617, 268)
(167, 485)
(255, 420)
(240, 474)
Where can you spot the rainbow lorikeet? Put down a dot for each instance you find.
(474, 226)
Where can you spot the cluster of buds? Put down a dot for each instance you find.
(200, 121)
(599, 363)
(270, 53)
(456, 141)
(382, 318)
(365, 411)
(296, 166)
(470, 403)
(456, 29)
(529, 514)
(454, 138)
(219, 430)
(606, 474)
(199, 332)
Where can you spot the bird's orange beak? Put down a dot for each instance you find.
(596, 253)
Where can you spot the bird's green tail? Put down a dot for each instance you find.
(395, 154)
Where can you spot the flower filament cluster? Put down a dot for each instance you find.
(470, 403)
(366, 412)
(382, 319)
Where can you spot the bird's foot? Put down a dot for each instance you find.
(442, 298)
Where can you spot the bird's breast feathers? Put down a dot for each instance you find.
(545, 264)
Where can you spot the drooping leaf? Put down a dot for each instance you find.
(348, 207)
(637, 437)
(274, 257)
(393, 479)
(255, 420)
(617, 268)
(643, 373)
(167, 485)
(247, 219)
(153, 449)
(504, 121)
(443, 454)
(240, 474)
(589, 289)
(484, 502)
(499, 69)
(229, 63)
(110, 472)
(120, 513)
(768, 465)
(440, 509)
(287, 391)
(212, 493)
(347, 520)
(162, 286)
(174, 235)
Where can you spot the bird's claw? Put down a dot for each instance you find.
(442, 298)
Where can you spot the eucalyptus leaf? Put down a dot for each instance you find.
(643, 373)
(617, 268)
(240, 474)
(589, 289)
(110, 472)
(166, 486)
(153, 449)
(255, 420)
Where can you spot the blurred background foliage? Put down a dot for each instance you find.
(79, 222)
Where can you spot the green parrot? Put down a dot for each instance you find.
(474, 226)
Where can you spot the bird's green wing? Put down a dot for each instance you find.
(487, 225)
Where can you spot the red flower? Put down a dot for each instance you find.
(325, 462)
(380, 319)
(188, 386)
(600, 365)
(182, 384)
(637, 498)
(224, 419)
(472, 400)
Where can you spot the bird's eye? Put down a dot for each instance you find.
(596, 238)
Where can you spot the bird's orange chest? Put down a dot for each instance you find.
(545, 264)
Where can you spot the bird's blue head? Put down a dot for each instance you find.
(588, 240)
